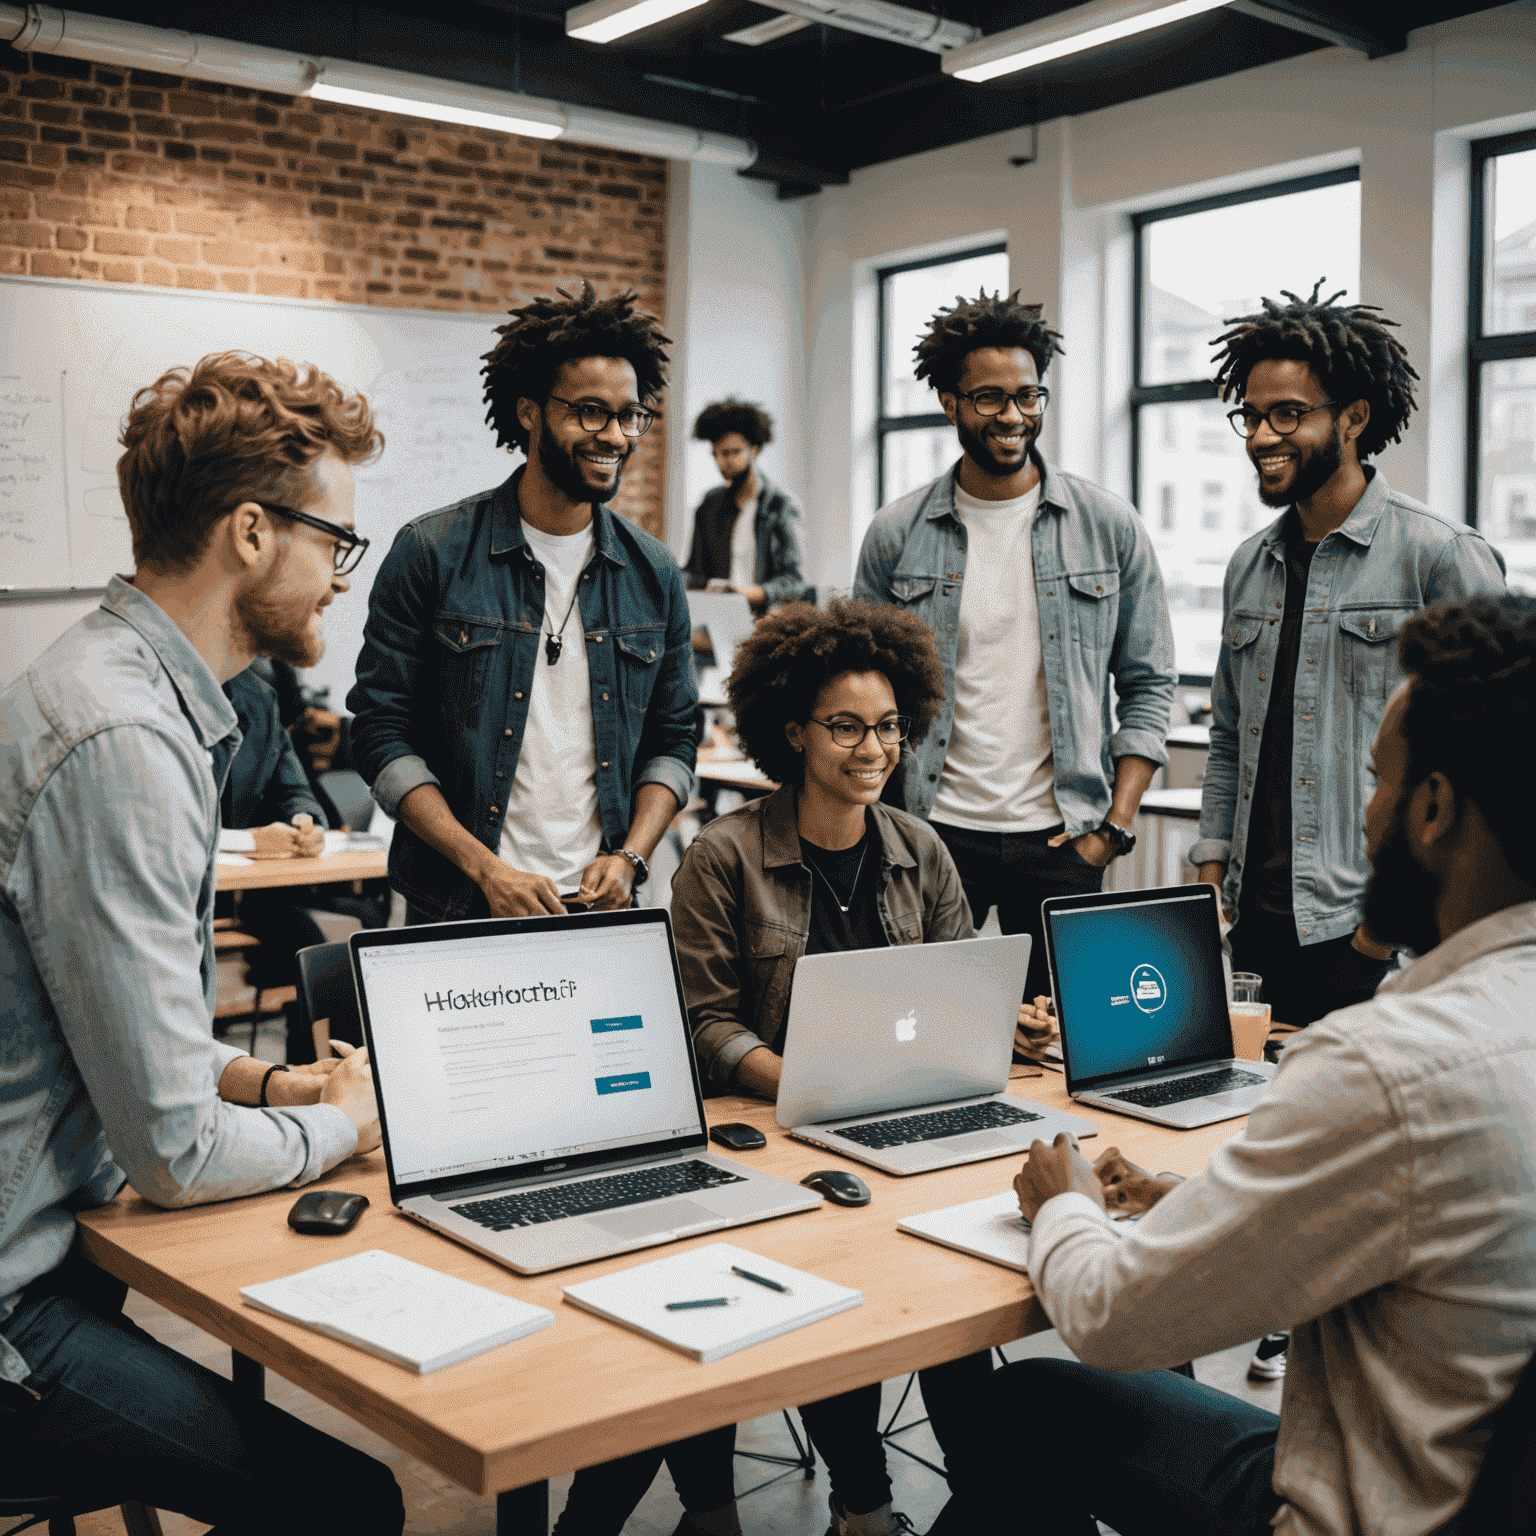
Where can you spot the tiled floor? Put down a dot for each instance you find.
(791, 1506)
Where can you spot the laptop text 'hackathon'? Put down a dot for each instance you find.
(538, 1092)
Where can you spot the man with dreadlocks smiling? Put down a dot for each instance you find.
(524, 699)
(1039, 587)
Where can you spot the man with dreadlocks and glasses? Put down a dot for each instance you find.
(1039, 588)
(524, 699)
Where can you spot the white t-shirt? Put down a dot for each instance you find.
(553, 826)
(997, 769)
(744, 546)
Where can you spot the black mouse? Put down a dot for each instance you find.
(839, 1187)
(327, 1212)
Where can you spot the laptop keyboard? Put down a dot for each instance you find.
(932, 1127)
(1154, 1095)
(553, 1202)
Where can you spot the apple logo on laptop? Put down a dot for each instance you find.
(906, 1027)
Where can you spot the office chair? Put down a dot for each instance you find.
(326, 992)
(59, 1511)
(1504, 1493)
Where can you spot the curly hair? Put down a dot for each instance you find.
(1347, 347)
(733, 415)
(197, 443)
(953, 334)
(1471, 711)
(793, 654)
(544, 335)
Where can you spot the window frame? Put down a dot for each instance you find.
(887, 425)
(1482, 348)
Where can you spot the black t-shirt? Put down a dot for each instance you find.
(1267, 877)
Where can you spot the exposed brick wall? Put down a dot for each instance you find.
(129, 177)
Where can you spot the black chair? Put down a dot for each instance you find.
(1504, 1494)
(349, 794)
(60, 1511)
(326, 991)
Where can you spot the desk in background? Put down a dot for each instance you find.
(586, 1390)
(327, 869)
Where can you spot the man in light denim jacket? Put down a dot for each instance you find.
(1040, 588)
(1313, 606)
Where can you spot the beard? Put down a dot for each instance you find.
(565, 473)
(1312, 474)
(279, 627)
(976, 447)
(1401, 897)
(737, 482)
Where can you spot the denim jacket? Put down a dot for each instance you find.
(1103, 613)
(1391, 557)
(780, 562)
(454, 632)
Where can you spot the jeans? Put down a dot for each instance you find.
(602, 1498)
(120, 1416)
(1015, 872)
(1151, 1454)
(1302, 982)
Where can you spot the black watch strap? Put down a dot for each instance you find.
(1120, 840)
(641, 868)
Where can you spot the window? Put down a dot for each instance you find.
(1501, 363)
(914, 440)
(1170, 496)
(1196, 264)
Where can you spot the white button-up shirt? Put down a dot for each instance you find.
(1381, 1202)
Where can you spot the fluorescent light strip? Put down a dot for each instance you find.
(599, 22)
(1026, 56)
(502, 122)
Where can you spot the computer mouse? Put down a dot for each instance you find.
(738, 1136)
(839, 1187)
(327, 1212)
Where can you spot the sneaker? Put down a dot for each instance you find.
(1268, 1363)
(885, 1521)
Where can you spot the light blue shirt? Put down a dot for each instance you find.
(113, 748)
(1103, 615)
(1391, 558)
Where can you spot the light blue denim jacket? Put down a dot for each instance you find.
(1391, 558)
(1103, 614)
(113, 747)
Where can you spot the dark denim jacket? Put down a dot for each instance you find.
(779, 568)
(453, 635)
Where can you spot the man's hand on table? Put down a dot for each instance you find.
(1128, 1189)
(349, 1086)
(299, 839)
(1036, 1029)
(1057, 1169)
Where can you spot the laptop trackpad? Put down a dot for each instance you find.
(654, 1218)
(978, 1141)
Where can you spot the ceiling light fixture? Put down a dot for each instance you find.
(601, 21)
(1083, 27)
(512, 120)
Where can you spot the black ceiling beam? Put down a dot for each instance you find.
(1373, 39)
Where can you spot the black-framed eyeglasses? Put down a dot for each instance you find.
(350, 547)
(634, 420)
(851, 733)
(992, 402)
(1282, 419)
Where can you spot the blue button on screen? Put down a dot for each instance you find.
(607, 1026)
(628, 1083)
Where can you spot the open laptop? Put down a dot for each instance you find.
(538, 1091)
(876, 1034)
(1141, 1003)
(727, 616)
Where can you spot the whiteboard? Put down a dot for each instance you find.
(72, 356)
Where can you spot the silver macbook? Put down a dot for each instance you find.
(538, 1092)
(1141, 1003)
(876, 1034)
(727, 617)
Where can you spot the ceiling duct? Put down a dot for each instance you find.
(890, 23)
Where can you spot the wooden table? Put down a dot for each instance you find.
(586, 1390)
(327, 869)
(733, 771)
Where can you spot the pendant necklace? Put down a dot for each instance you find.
(842, 906)
(554, 643)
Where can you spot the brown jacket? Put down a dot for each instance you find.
(741, 908)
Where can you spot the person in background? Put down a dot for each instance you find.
(746, 534)
(525, 705)
(1380, 1199)
(114, 748)
(1041, 590)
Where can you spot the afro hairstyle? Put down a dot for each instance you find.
(793, 654)
(953, 334)
(733, 415)
(549, 332)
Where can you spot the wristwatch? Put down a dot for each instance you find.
(1120, 841)
(641, 868)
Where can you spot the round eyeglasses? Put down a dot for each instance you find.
(1282, 419)
(992, 402)
(851, 733)
(349, 548)
(634, 420)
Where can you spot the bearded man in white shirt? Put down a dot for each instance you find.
(1380, 1201)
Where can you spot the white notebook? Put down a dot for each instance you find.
(637, 1298)
(990, 1228)
(407, 1313)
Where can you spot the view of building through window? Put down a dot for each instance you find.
(1194, 484)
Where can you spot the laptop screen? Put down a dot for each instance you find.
(1139, 983)
(533, 1044)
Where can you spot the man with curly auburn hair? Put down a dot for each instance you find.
(524, 700)
(1040, 588)
(115, 744)
(746, 534)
